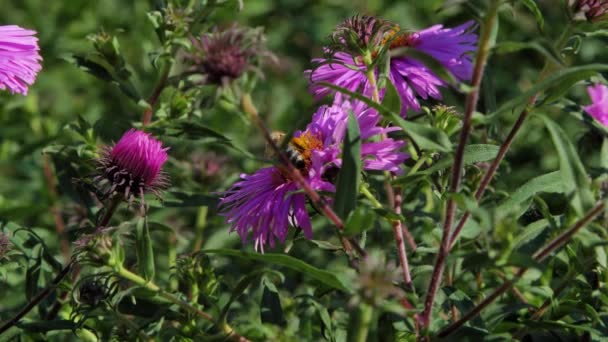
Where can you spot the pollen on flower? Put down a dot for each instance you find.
(305, 144)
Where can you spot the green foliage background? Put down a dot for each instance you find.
(296, 32)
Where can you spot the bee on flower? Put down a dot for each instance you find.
(268, 201)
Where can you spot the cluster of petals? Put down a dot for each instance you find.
(19, 58)
(268, 201)
(599, 103)
(452, 47)
(141, 154)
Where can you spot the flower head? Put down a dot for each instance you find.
(599, 103)
(223, 56)
(452, 47)
(19, 58)
(358, 34)
(592, 10)
(267, 202)
(133, 166)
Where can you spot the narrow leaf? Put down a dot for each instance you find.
(349, 176)
(550, 182)
(573, 174)
(325, 277)
(145, 253)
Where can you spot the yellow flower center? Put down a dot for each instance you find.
(305, 144)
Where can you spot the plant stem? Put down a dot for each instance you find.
(394, 194)
(362, 321)
(37, 299)
(489, 175)
(407, 278)
(158, 89)
(136, 279)
(40, 296)
(348, 244)
(543, 308)
(485, 45)
(539, 256)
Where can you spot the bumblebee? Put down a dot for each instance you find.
(295, 150)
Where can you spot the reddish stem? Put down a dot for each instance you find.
(318, 201)
(470, 105)
(539, 256)
(489, 175)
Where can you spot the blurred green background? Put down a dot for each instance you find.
(296, 31)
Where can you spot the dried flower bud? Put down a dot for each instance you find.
(360, 34)
(5, 245)
(133, 166)
(377, 279)
(223, 56)
(592, 10)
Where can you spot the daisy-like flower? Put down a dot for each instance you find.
(19, 58)
(599, 103)
(133, 166)
(452, 47)
(223, 56)
(267, 202)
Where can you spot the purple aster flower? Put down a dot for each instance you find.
(19, 58)
(269, 201)
(133, 166)
(452, 47)
(599, 103)
(222, 56)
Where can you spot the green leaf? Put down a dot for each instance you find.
(474, 153)
(192, 130)
(573, 174)
(531, 5)
(270, 307)
(32, 275)
(239, 289)
(349, 176)
(565, 78)
(529, 233)
(359, 220)
(544, 48)
(604, 154)
(45, 326)
(550, 182)
(144, 250)
(185, 199)
(426, 137)
(325, 277)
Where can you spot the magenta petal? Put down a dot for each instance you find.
(19, 58)
(599, 103)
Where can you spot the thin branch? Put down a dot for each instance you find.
(491, 171)
(543, 308)
(539, 256)
(158, 89)
(40, 296)
(348, 244)
(485, 46)
(395, 199)
(489, 175)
